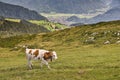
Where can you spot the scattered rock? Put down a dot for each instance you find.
(94, 34)
(90, 40)
(107, 42)
(118, 38)
(118, 34)
(14, 49)
(105, 32)
(118, 42)
(81, 72)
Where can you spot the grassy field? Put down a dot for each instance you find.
(73, 63)
(77, 59)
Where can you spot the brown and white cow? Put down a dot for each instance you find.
(40, 54)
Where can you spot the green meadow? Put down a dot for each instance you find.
(82, 54)
(73, 63)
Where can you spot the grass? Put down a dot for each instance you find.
(10, 42)
(76, 59)
(43, 23)
(74, 63)
(13, 20)
(75, 36)
(48, 25)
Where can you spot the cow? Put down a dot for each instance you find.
(40, 54)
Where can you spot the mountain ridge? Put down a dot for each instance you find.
(110, 15)
(60, 6)
(15, 11)
(9, 28)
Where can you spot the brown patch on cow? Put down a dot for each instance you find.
(36, 53)
(30, 52)
(48, 55)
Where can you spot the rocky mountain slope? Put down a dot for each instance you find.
(9, 28)
(110, 15)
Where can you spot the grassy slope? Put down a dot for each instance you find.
(82, 63)
(76, 60)
(77, 36)
(46, 24)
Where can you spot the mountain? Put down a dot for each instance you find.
(113, 13)
(109, 9)
(14, 11)
(60, 6)
(9, 28)
(73, 19)
(110, 15)
(76, 19)
(115, 3)
(107, 2)
(76, 24)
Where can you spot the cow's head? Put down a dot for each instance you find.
(54, 55)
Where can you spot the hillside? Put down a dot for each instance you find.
(60, 6)
(73, 19)
(14, 11)
(109, 15)
(96, 34)
(10, 28)
(48, 25)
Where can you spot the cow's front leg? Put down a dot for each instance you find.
(46, 63)
(30, 64)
